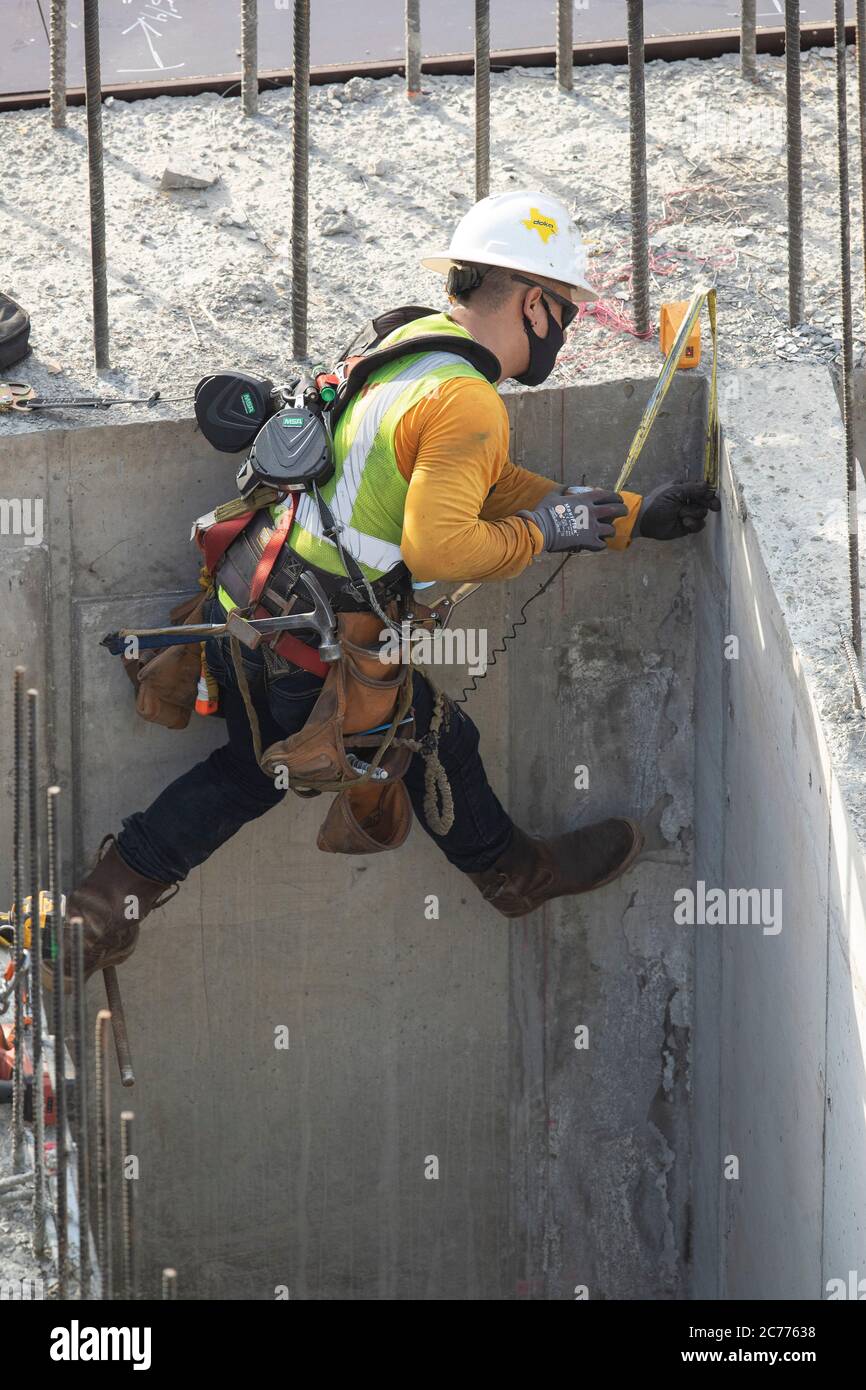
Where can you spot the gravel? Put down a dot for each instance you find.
(21, 1274)
(200, 278)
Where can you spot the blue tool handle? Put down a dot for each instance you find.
(116, 642)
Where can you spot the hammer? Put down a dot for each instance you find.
(249, 631)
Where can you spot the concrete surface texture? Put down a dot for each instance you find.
(409, 1038)
(779, 1075)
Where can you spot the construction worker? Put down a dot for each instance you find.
(429, 489)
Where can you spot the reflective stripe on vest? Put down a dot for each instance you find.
(374, 552)
(367, 493)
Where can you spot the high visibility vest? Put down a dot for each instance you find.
(367, 492)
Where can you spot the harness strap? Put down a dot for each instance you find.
(268, 559)
(244, 688)
(475, 353)
(296, 651)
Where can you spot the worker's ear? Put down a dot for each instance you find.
(534, 310)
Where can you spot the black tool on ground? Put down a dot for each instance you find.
(87, 402)
(14, 331)
(18, 395)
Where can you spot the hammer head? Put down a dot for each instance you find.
(321, 618)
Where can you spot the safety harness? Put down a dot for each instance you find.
(248, 554)
(366, 702)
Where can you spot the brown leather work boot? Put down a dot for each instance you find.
(112, 900)
(532, 871)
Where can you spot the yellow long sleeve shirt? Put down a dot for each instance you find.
(464, 490)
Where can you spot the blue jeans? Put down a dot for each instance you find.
(207, 805)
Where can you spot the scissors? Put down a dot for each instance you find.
(15, 394)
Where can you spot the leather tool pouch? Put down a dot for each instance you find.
(360, 692)
(166, 682)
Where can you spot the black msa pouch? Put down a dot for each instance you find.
(291, 451)
(231, 408)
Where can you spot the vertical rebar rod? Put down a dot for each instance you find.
(127, 1204)
(82, 1131)
(58, 63)
(795, 162)
(96, 182)
(482, 98)
(103, 1153)
(856, 673)
(37, 1086)
(637, 129)
(249, 57)
(861, 74)
(300, 175)
(18, 899)
(748, 40)
(413, 48)
(565, 44)
(847, 324)
(58, 952)
(169, 1283)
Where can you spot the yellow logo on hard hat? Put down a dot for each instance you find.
(545, 226)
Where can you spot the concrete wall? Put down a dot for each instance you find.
(779, 1073)
(409, 1037)
(559, 1168)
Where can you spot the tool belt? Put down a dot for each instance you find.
(361, 694)
(238, 565)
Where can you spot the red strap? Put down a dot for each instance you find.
(215, 541)
(272, 550)
(296, 651)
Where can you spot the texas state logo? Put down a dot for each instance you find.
(545, 226)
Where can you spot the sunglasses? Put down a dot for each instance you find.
(569, 310)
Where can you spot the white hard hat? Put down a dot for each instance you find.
(527, 231)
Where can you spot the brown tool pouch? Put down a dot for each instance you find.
(360, 692)
(367, 818)
(166, 682)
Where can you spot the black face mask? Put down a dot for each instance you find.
(542, 351)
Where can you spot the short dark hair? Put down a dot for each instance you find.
(494, 288)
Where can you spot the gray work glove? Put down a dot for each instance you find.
(577, 518)
(673, 510)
